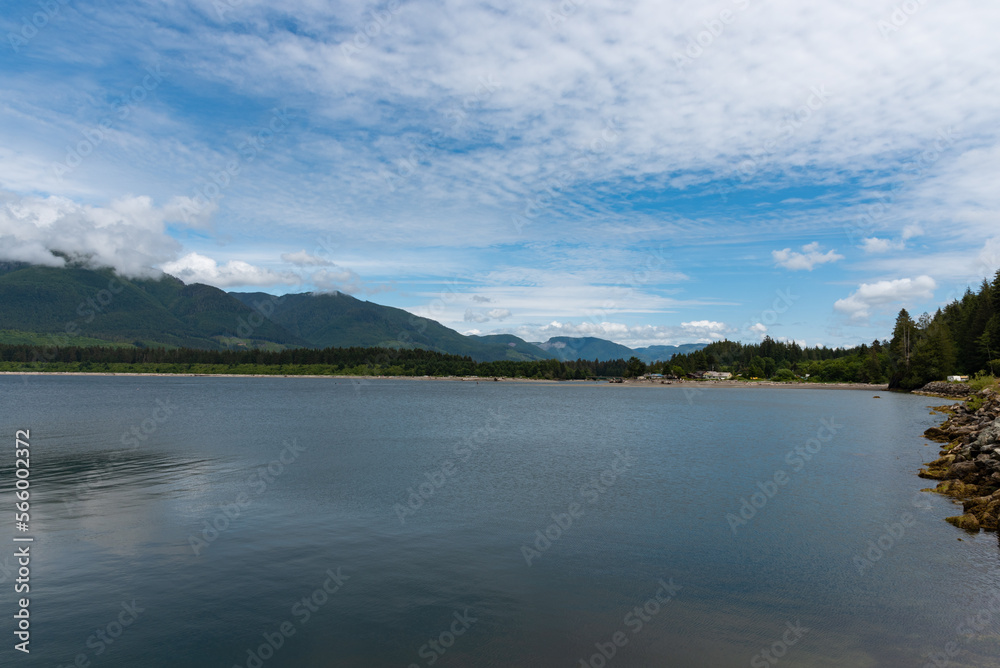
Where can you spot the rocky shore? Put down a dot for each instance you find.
(969, 466)
(942, 389)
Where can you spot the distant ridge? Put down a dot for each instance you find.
(567, 348)
(339, 320)
(75, 305)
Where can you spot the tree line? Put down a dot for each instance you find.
(962, 338)
(356, 361)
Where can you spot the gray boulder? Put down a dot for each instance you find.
(989, 436)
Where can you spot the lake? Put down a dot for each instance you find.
(332, 522)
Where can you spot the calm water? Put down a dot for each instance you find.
(653, 474)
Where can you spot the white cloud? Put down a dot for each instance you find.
(498, 314)
(534, 294)
(876, 245)
(989, 258)
(128, 235)
(807, 259)
(196, 268)
(472, 316)
(870, 296)
(602, 78)
(604, 62)
(339, 279)
(800, 342)
(633, 336)
(705, 325)
(304, 259)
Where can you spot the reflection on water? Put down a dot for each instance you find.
(223, 532)
(67, 473)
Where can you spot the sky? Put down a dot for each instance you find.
(657, 172)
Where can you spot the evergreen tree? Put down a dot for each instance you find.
(635, 368)
(901, 347)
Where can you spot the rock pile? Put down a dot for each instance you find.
(940, 388)
(969, 467)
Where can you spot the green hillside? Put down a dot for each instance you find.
(80, 306)
(510, 347)
(98, 304)
(339, 320)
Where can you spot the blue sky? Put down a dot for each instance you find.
(645, 172)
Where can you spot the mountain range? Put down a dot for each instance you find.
(76, 305)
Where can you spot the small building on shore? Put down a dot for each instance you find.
(958, 379)
(717, 375)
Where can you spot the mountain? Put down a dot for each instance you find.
(340, 320)
(515, 348)
(664, 353)
(80, 306)
(75, 301)
(566, 348)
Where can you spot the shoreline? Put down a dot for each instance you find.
(968, 469)
(729, 384)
